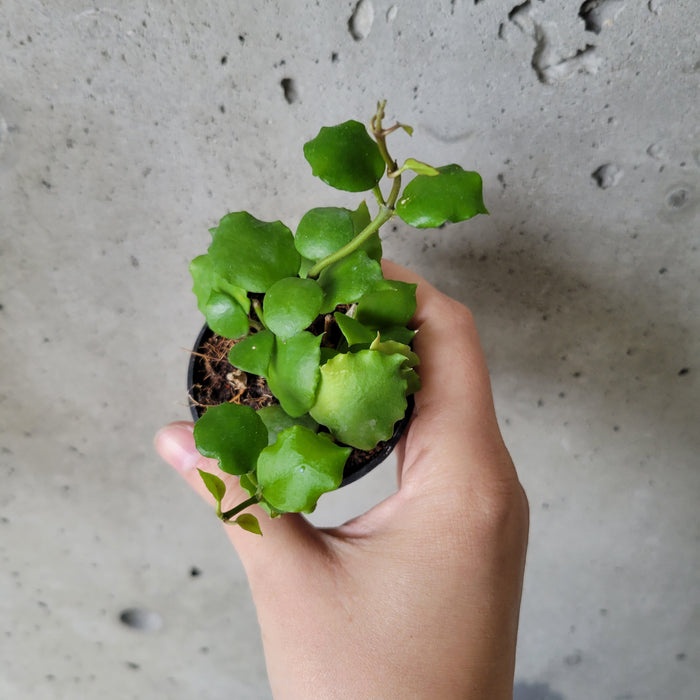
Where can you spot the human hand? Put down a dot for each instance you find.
(420, 596)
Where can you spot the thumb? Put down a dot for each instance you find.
(284, 538)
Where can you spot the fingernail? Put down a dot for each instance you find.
(175, 445)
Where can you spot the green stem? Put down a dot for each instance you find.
(241, 506)
(385, 213)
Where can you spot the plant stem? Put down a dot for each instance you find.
(241, 506)
(385, 213)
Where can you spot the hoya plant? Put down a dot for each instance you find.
(310, 316)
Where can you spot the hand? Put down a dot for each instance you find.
(420, 596)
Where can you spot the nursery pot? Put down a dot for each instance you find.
(203, 363)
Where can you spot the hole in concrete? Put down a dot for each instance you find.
(290, 90)
(678, 198)
(141, 619)
(607, 175)
(195, 571)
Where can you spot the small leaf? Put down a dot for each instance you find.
(253, 254)
(232, 434)
(345, 157)
(355, 333)
(253, 354)
(400, 334)
(391, 347)
(248, 522)
(214, 484)
(453, 195)
(361, 396)
(346, 281)
(300, 467)
(276, 420)
(412, 380)
(293, 373)
(408, 129)
(388, 307)
(291, 305)
(225, 316)
(417, 167)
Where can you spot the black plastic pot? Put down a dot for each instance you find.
(352, 473)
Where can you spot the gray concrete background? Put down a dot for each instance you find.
(126, 130)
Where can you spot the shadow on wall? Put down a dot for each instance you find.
(535, 691)
(620, 340)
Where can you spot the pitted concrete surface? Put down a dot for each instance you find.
(126, 130)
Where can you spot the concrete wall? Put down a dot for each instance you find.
(126, 130)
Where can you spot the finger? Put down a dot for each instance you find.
(454, 408)
(282, 536)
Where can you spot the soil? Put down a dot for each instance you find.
(214, 380)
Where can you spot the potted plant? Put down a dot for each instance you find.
(308, 339)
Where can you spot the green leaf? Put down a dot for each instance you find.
(327, 354)
(300, 467)
(388, 307)
(206, 280)
(232, 434)
(322, 231)
(346, 281)
(291, 305)
(400, 334)
(225, 316)
(345, 157)
(453, 195)
(224, 305)
(253, 254)
(355, 333)
(276, 420)
(214, 484)
(391, 347)
(293, 373)
(417, 167)
(412, 380)
(361, 396)
(253, 354)
(248, 522)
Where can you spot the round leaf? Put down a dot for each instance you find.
(253, 254)
(233, 434)
(322, 231)
(291, 305)
(361, 396)
(225, 316)
(345, 157)
(252, 354)
(431, 200)
(293, 373)
(347, 280)
(388, 307)
(298, 468)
